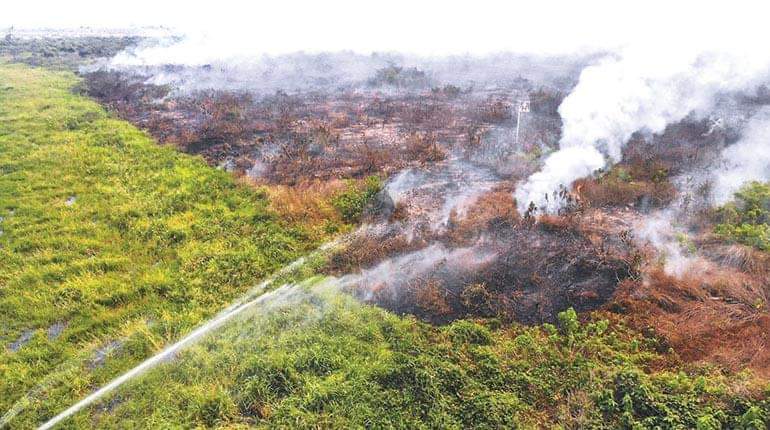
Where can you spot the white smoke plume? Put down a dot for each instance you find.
(642, 88)
(747, 160)
(660, 230)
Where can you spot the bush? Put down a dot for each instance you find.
(477, 300)
(568, 322)
(746, 220)
(350, 203)
(468, 332)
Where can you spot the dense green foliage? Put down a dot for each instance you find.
(315, 358)
(747, 219)
(106, 235)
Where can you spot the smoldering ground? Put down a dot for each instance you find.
(451, 235)
(444, 131)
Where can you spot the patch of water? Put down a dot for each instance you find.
(101, 354)
(25, 337)
(56, 329)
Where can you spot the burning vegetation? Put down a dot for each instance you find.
(443, 239)
(441, 196)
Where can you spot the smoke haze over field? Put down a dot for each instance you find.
(666, 61)
(669, 63)
(457, 160)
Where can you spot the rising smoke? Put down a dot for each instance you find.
(640, 89)
(747, 160)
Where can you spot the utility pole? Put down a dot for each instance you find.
(521, 106)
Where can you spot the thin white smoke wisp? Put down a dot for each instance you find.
(738, 164)
(393, 274)
(660, 231)
(642, 88)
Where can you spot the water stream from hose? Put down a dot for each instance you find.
(254, 298)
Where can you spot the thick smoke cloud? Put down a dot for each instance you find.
(643, 88)
(747, 160)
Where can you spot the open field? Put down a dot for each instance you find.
(113, 247)
(109, 242)
(195, 233)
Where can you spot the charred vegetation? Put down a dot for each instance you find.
(450, 166)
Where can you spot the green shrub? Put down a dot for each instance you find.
(755, 418)
(468, 332)
(746, 219)
(568, 322)
(351, 202)
(492, 410)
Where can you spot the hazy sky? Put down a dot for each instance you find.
(426, 27)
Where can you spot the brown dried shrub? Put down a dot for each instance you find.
(225, 116)
(555, 222)
(424, 148)
(708, 314)
(494, 209)
(742, 257)
(293, 162)
(477, 300)
(400, 212)
(608, 192)
(431, 297)
(366, 250)
(492, 111)
(373, 158)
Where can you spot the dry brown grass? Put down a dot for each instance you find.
(709, 314)
(741, 257)
(477, 300)
(431, 297)
(306, 204)
(492, 111)
(424, 148)
(366, 250)
(496, 208)
(613, 192)
(556, 222)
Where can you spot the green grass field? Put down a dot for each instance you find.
(106, 235)
(113, 247)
